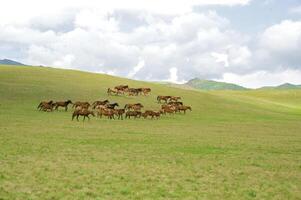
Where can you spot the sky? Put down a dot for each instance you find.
(253, 43)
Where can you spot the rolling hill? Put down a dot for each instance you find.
(9, 62)
(233, 145)
(212, 85)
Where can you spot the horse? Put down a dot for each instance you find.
(151, 113)
(43, 103)
(121, 88)
(163, 98)
(146, 91)
(112, 91)
(184, 108)
(47, 107)
(178, 103)
(82, 112)
(106, 112)
(119, 113)
(132, 91)
(136, 106)
(82, 104)
(112, 105)
(169, 109)
(96, 103)
(63, 104)
(135, 114)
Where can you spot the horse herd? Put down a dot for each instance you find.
(123, 89)
(110, 110)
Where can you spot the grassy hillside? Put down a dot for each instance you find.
(212, 85)
(233, 145)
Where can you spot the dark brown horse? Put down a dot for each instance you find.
(112, 105)
(134, 114)
(82, 112)
(63, 104)
(184, 108)
(121, 88)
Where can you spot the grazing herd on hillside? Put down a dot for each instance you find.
(171, 105)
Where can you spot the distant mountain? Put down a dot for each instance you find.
(9, 62)
(284, 86)
(212, 85)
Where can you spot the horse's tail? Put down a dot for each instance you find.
(39, 106)
(158, 97)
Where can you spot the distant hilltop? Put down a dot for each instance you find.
(9, 62)
(201, 84)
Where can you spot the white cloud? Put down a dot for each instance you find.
(136, 69)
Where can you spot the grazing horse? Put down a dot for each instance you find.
(136, 106)
(112, 105)
(63, 104)
(135, 114)
(82, 112)
(184, 108)
(163, 98)
(43, 103)
(97, 103)
(81, 104)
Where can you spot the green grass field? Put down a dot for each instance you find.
(233, 145)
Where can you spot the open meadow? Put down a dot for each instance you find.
(233, 145)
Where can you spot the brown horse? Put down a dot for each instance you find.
(134, 114)
(113, 91)
(146, 91)
(132, 91)
(43, 103)
(97, 103)
(82, 112)
(106, 112)
(152, 114)
(178, 103)
(119, 113)
(135, 106)
(63, 104)
(81, 104)
(47, 107)
(184, 108)
(121, 88)
(163, 98)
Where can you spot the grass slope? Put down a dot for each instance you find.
(234, 145)
(212, 85)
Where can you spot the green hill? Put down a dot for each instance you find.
(212, 85)
(285, 86)
(233, 145)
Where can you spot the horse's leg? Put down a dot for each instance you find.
(66, 108)
(77, 117)
(88, 117)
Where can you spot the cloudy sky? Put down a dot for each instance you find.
(249, 42)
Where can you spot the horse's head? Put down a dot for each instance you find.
(69, 101)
